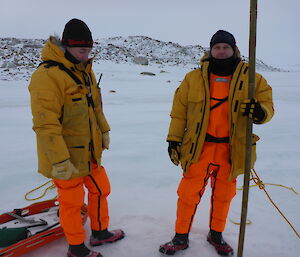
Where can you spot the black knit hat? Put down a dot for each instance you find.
(77, 34)
(222, 36)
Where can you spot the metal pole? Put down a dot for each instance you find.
(251, 88)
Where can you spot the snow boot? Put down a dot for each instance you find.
(81, 251)
(179, 242)
(216, 239)
(105, 236)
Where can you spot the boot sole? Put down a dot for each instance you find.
(109, 242)
(218, 251)
(170, 252)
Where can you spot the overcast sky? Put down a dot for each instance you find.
(186, 22)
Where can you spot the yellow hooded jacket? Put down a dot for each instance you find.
(191, 108)
(66, 125)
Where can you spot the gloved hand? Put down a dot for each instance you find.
(252, 109)
(64, 170)
(174, 151)
(105, 140)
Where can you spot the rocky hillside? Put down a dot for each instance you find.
(19, 57)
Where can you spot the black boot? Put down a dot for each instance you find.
(179, 242)
(100, 237)
(81, 251)
(102, 234)
(216, 239)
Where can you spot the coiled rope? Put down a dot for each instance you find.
(258, 182)
(51, 186)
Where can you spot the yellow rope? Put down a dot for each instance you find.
(261, 185)
(271, 184)
(52, 186)
(248, 222)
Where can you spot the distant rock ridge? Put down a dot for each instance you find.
(19, 57)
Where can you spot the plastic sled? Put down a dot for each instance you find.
(31, 227)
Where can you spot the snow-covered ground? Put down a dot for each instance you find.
(144, 181)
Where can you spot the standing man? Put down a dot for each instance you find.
(72, 132)
(207, 136)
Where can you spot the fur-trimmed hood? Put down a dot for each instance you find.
(53, 50)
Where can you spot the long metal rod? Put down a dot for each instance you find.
(249, 128)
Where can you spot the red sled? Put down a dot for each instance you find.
(41, 220)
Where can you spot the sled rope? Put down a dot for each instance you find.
(261, 185)
(51, 186)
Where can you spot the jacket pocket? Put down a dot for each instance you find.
(185, 148)
(74, 98)
(195, 96)
(79, 155)
(195, 111)
(75, 113)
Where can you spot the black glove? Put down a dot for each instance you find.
(174, 151)
(253, 110)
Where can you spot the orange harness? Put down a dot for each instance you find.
(218, 125)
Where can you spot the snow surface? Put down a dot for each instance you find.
(144, 181)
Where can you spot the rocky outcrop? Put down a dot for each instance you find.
(140, 60)
(19, 57)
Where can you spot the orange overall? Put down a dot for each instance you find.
(71, 198)
(213, 163)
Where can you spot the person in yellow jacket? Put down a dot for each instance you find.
(207, 136)
(72, 132)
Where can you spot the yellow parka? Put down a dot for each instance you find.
(67, 126)
(191, 108)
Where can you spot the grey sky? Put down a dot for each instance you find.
(182, 21)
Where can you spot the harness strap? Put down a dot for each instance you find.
(50, 63)
(210, 138)
(221, 101)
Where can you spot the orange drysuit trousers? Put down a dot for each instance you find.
(213, 164)
(71, 198)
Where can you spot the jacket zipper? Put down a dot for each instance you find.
(233, 94)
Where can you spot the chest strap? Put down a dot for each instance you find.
(221, 101)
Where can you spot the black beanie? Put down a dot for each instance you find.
(222, 36)
(77, 34)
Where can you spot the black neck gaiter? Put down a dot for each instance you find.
(71, 58)
(223, 67)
